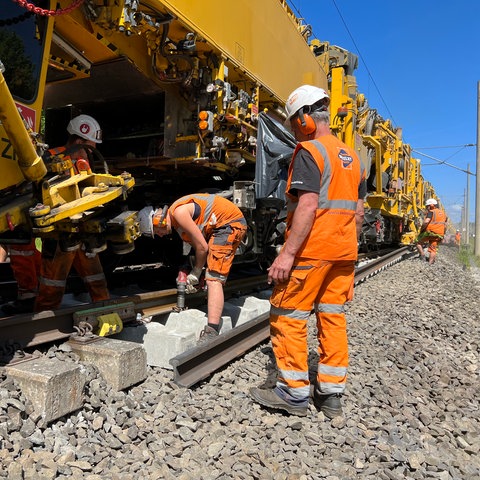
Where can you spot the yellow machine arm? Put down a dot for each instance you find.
(65, 207)
(30, 163)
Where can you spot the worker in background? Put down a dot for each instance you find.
(56, 264)
(432, 230)
(458, 238)
(25, 263)
(314, 271)
(214, 227)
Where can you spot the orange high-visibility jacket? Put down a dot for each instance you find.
(438, 223)
(333, 235)
(78, 163)
(215, 212)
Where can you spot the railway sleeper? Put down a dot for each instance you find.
(178, 332)
(55, 388)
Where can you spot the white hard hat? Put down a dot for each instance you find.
(85, 127)
(303, 96)
(145, 220)
(431, 201)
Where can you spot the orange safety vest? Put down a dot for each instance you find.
(215, 212)
(438, 223)
(333, 234)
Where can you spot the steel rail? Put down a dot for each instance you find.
(31, 330)
(198, 363)
(34, 329)
(365, 271)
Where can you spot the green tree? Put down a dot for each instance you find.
(19, 69)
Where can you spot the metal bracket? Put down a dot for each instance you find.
(126, 312)
(83, 334)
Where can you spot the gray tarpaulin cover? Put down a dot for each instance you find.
(275, 146)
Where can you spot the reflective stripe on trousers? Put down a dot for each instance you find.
(324, 288)
(25, 264)
(54, 273)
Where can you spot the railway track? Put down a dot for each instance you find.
(197, 364)
(32, 330)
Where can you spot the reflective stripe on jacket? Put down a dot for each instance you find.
(438, 223)
(215, 212)
(333, 235)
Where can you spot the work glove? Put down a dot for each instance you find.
(190, 288)
(193, 276)
(192, 280)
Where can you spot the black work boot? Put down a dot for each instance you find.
(268, 398)
(330, 404)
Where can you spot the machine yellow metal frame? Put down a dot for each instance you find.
(59, 204)
(204, 81)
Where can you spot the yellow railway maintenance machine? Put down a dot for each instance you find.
(185, 93)
(53, 202)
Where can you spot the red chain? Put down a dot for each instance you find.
(48, 13)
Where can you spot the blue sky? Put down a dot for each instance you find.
(419, 65)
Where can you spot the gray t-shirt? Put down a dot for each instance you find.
(306, 175)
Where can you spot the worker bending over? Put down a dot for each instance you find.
(432, 230)
(214, 227)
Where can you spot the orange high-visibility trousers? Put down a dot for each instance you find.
(25, 263)
(222, 246)
(323, 287)
(54, 273)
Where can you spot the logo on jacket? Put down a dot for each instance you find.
(345, 158)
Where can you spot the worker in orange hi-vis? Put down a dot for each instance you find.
(314, 271)
(57, 260)
(25, 264)
(458, 238)
(432, 230)
(214, 226)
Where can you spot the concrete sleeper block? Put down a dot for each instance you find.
(53, 387)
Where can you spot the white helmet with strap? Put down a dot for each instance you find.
(431, 201)
(306, 95)
(85, 127)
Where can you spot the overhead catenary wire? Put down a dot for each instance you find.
(443, 162)
(359, 54)
(447, 146)
(439, 162)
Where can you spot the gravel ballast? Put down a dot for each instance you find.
(411, 407)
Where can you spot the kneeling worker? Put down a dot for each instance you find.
(214, 227)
